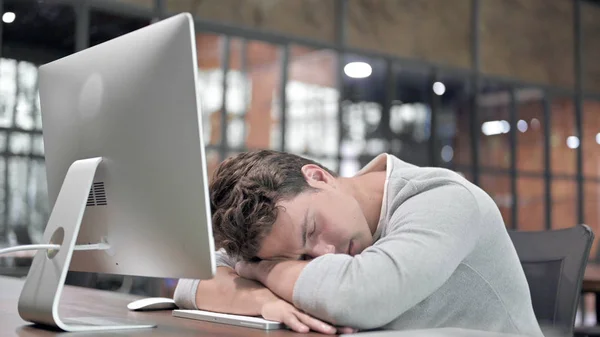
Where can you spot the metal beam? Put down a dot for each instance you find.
(591, 96)
(244, 72)
(341, 24)
(213, 147)
(339, 74)
(475, 36)
(160, 9)
(19, 130)
(225, 56)
(82, 25)
(514, 82)
(31, 53)
(285, 60)
(4, 225)
(578, 61)
(528, 174)
(22, 155)
(1, 30)
(435, 109)
(118, 7)
(474, 128)
(383, 129)
(29, 193)
(513, 158)
(547, 160)
(341, 9)
(7, 154)
(475, 84)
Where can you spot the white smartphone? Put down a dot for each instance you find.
(239, 320)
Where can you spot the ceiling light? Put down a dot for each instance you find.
(447, 153)
(439, 88)
(572, 142)
(522, 125)
(8, 17)
(491, 128)
(358, 69)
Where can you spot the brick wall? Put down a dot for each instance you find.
(263, 68)
(527, 39)
(317, 67)
(495, 154)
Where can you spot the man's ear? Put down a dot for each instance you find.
(316, 175)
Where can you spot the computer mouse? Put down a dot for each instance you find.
(152, 303)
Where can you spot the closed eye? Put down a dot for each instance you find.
(314, 229)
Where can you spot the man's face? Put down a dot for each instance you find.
(325, 220)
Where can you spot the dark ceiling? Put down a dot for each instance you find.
(47, 26)
(44, 24)
(44, 30)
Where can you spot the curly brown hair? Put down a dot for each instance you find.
(244, 192)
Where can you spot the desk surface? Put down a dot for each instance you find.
(77, 301)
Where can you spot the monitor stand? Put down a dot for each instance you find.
(41, 293)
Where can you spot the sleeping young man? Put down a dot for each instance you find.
(394, 247)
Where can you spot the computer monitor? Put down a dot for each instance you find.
(125, 165)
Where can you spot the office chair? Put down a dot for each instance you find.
(554, 263)
(590, 331)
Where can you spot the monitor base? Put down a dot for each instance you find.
(43, 287)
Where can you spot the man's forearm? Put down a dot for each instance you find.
(229, 293)
(280, 277)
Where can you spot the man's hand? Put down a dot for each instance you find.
(278, 309)
(284, 312)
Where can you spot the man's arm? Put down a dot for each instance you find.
(433, 232)
(229, 293)
(279, 276)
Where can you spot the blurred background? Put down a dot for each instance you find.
(505, 92)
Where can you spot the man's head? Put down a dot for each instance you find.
(272, 205)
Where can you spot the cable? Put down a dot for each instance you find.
(94, 246)
(28, 247)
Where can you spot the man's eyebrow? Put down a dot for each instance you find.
(304, 228)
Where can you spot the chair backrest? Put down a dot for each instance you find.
(554, 262)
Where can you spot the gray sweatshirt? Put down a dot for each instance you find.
(442, 258)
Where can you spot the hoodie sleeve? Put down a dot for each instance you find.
(430, 235)
(185, 292)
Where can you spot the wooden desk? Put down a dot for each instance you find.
(79, 301)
